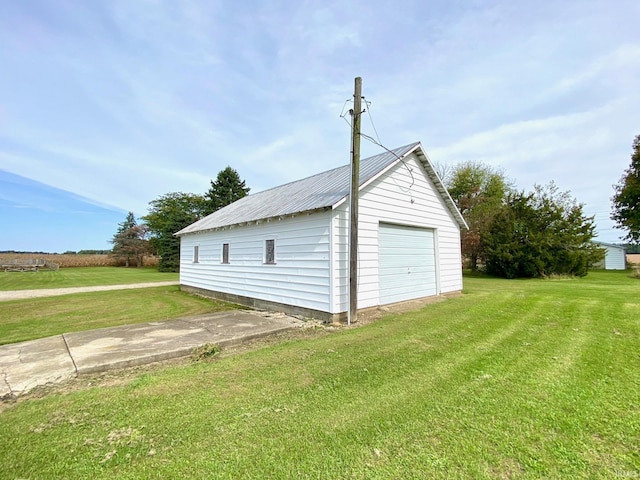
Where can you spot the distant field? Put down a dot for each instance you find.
(81, 277)
(71, 260)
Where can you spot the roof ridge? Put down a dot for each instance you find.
(318, 191)
(324, 172)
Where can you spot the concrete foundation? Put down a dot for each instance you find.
(293, 310)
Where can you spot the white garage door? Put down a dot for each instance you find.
(407, 263)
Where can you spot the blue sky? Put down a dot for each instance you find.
(105, 106)
(39, 216)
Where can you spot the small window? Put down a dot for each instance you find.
(225, 253)
(196, 249)
(270, 252)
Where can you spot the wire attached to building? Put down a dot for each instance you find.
(343, 115)
(374, 141)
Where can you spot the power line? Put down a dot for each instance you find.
(373, 140)
(377, 142)
(343, 113)
(368, 110)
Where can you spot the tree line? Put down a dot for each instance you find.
(170, 213)
(512, 233)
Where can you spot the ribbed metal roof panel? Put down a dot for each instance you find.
(323, 190)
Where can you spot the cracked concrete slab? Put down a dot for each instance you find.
(118, 347)
(5, 388)
(30, 364)
(26, 365)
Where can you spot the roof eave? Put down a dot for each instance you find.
(437, 181)
(379, 174)
(433, 176)
(253, 222)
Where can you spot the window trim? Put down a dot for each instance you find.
(273, 251)
(196, 254)
(225, 260)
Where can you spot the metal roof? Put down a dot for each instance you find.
(322, 191)
(606, 244)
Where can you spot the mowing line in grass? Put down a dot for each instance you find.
(534, 379)
(23, 320)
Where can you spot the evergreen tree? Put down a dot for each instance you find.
(540, 233)
(130, 241)
(626, 200)
(226, 189)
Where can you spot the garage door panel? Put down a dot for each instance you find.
(406, 270)
(406, 263)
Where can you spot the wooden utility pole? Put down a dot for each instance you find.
(353, 207)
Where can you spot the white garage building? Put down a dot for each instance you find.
(287, 248)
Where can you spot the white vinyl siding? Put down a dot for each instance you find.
(407, 263)
(615, 258)
(401, 197)
(340, 259)
(311, 249)
(301, 276)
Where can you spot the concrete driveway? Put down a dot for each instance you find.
(26, 365)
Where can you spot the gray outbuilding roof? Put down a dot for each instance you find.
(318, 192)
(613, 245)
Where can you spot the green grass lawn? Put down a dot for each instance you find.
(514, 379)
(22, 320)
(81, 277)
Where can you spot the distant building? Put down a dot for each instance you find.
(614, 257)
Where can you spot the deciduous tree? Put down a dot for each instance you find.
(478, 191)
(167, 215)
(626, 200)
